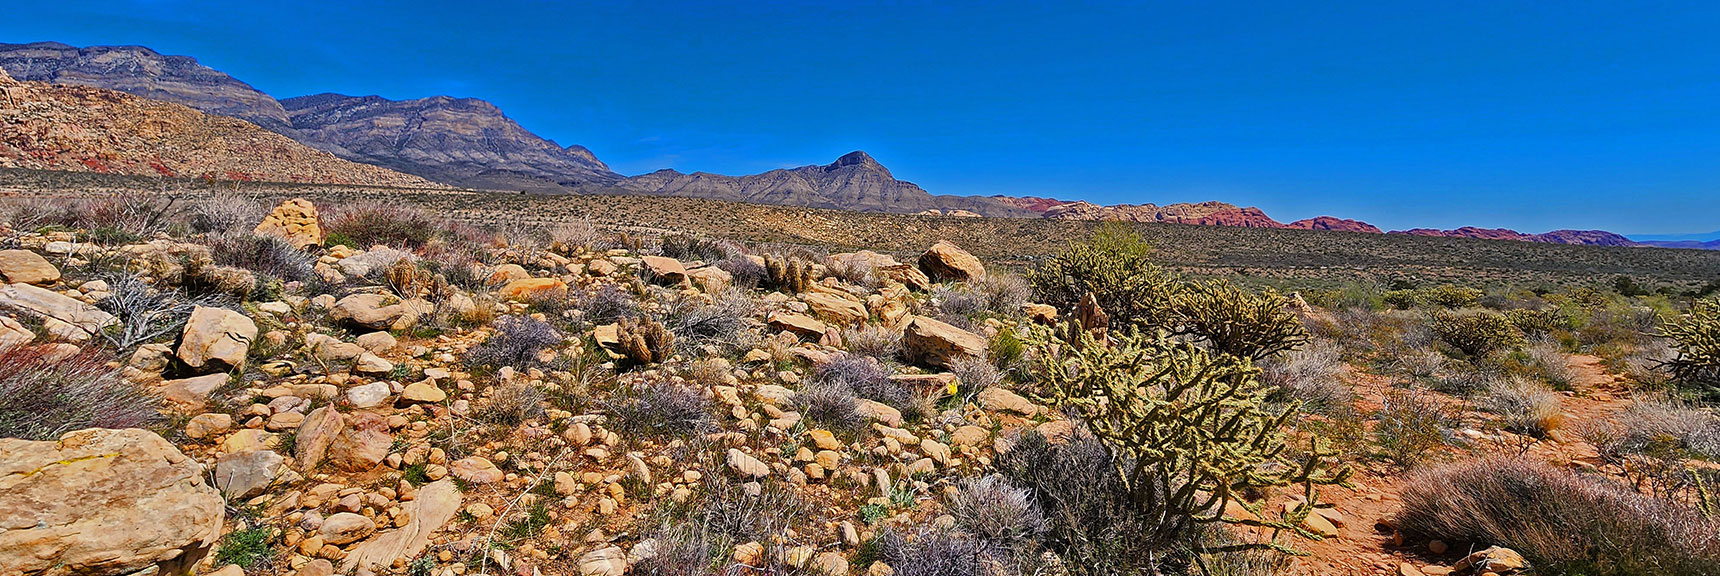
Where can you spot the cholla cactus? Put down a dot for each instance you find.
(1477, 335)
(1116, 270)
(1696, 338)
(1538, 322)
(644, 340)
(1240, 323)
(789, 273)
(1188, 429)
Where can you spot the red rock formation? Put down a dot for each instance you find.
(1334, 223)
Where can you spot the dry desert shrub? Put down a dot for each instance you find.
(1312, 375)
(518, 342)
(659, 409)
(48, 392)
(1525, 406)
(872, 341)
(1562, 522)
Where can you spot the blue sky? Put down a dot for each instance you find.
(1530, 115)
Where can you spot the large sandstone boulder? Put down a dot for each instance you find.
(63, 316)
(946, 261)
(99, 502)
(379, 311)
(667, 269)
(216, 339)
(27, 267)
(294, 221)
(13, 333)
(363, 443)
(932, 343)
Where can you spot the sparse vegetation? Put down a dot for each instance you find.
(1561, 522)
(49, 392)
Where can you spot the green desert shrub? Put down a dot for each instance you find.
(1696, 340)
(1562, 522)
(365, 224)
(1116, 269)
(45, 392)
(1154, 404)
(1476, 335)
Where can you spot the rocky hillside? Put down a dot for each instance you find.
(461, 141)
(144, 72)
(1203, 213)
(856, 181)
(86, 129)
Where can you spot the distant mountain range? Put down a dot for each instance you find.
(470, 143)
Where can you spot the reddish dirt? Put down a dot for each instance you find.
(1366, 546)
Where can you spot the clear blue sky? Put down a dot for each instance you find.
(1531, 115)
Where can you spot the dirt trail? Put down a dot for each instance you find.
(1366, 547)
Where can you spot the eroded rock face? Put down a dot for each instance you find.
(294, 221)
(73, 506)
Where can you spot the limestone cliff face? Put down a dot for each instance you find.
(462, 141)
(86, 129)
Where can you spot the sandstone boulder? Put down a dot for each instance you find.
(932, 343)
(294, 221)
(833, 308)
(246, 474)
(75, 320)
(27, 267)
(806, 327)
(529, 289)
(216, 339)
(362, 444)
(665, 269)
(945, 261)
(103, 502)
(193, 392)
(436, 503)
(606, 561)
